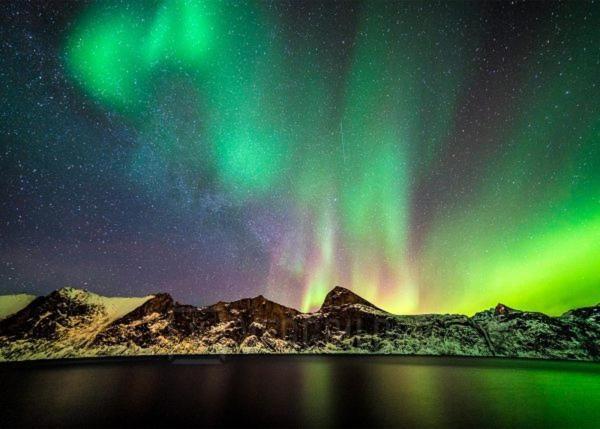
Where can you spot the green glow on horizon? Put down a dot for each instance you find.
(537, 247)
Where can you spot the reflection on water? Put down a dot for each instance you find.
(317, 381)
(415, 391)
(563, 396)
(309, 391)
(438, 392)
(500, 396)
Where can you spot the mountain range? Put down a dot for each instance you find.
(77, 323)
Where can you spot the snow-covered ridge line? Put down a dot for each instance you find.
(73, 323)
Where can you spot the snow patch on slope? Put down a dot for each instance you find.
(115, 307)
(11, 304)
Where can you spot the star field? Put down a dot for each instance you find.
(430, 156)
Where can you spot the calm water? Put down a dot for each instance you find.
(307, 391)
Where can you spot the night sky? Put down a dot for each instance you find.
(430, 156)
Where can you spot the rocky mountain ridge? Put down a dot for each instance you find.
(75, 323)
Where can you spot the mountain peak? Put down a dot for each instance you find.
(341, 296)
(73, 294)
(502, 310)
(251, 304)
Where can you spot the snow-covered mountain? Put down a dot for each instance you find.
(63, 323)
(75, 323)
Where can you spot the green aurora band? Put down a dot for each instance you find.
(347, 157)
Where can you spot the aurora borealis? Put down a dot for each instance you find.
(430, 156)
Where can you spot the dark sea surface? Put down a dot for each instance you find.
(303, 391)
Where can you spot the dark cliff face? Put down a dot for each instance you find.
(256, 314)
(345, 323)
(348, 319)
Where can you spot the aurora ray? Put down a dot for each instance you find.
(431, 157)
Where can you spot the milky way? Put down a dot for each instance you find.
(432, 157)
